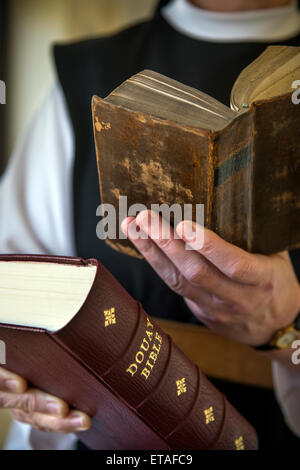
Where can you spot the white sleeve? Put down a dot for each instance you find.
(36, 215)
(36, 203)
(287, 390)
(23, 437)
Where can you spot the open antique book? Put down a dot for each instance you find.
(159, 141)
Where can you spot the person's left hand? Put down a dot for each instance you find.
(243, 296)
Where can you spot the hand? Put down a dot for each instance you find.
(243, 296)
(40, 410)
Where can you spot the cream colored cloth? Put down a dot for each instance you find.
(287, 390)
(265, 25)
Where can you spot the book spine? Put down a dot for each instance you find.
(212, 162)
(133, 357)
(233, 182)
(276, 175)
(171, 394)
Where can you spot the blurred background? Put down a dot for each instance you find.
(27, 30)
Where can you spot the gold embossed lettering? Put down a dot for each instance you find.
(145, 345)
(153, 356)
(158, 337)
(157, 349)
(149, 365)
(132, 369)
(139, 357)
(146, 372)
(149, 324)
(149, 334)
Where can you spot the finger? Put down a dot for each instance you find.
(164, 267)
(10, 382)
(196, 269)
(76, 421)
(34, 401)
(158, 260)
(237, 264)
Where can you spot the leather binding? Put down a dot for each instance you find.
(246, 175)
(116, 364)
(220, 357)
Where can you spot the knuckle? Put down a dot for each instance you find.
(268, 287)
(29, 402)
(193, 275)
(37, 426)
(20, 416)
(241, 306)
(7, 401)
(195, 272)
(3, 401)
(165, 244)
(37, 423)
(240, 270)
(237, 308)
(176, 282)
(58, 426)
(208, 246)
(218, 303)
(146, 247)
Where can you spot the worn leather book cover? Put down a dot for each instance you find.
(161, 142)
(114, 362)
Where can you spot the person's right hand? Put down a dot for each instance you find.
(40, 410)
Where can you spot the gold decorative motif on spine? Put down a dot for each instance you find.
(209, 415)
(110, 317)
(181, 386)
(239, 443)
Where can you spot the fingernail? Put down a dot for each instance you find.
(134, 231)
(192, 234)
(79, 423)
(12, 385)
(53, 408)
(188, 230)
(124, 226)
(126, 223)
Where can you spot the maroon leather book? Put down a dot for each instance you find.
(112, 361)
